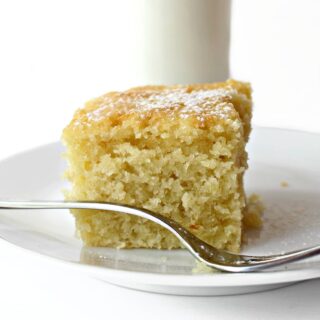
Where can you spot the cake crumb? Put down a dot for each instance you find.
(201, 268)
(284, 184)
(252, 217)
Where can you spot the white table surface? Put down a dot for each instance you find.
(44, 78)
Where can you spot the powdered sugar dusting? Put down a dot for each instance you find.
(178, 102)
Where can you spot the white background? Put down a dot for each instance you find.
(54, 55)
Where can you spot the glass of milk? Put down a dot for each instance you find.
(178, 41)
(186, 41)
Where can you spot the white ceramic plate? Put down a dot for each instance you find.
(291, 220)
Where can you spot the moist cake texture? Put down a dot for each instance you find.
(176, 150)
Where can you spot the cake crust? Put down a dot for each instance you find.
(202, 103)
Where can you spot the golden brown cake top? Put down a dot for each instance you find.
(200, 102)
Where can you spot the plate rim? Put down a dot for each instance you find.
(203, 280)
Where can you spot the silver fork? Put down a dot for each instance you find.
(209, 255)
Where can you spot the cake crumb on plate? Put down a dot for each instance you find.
(252, 217)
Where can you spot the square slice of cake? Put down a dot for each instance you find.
(175, 150)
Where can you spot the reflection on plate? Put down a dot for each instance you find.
(284, 170)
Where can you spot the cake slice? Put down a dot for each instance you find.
(175, 150)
